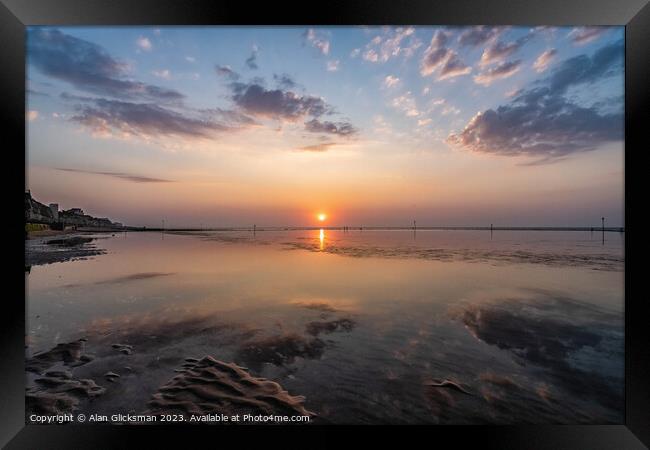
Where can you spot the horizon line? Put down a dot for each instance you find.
(380, 228)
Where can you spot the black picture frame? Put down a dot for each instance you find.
(15, 15)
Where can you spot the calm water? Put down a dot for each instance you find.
(361, 323)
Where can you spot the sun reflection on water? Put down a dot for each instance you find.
(321, 237)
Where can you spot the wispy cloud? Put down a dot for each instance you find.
(88, 67)
(585, 35)
(544, 60)
(251, 61)
(226, 71)
(108, 118)
(333, 65)
(499, 72)
(397, 42)
(317, 40)
(438, 57)
(499, 51)
(162, 73)
(284, 81)
(144, 43)
(406, 103)
(120, 175)
(317, 148)
(391, 81)
(344, 129)
(479, 35)
(37, 93)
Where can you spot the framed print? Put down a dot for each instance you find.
(400, 219)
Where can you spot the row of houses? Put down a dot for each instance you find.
(37, 212)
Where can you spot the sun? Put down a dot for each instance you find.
(322, 217)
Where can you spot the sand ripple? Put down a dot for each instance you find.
(210, 386)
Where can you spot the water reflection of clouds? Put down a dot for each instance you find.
(577, 345)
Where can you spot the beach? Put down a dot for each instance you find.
(357, 327)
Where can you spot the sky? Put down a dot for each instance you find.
(233, 126)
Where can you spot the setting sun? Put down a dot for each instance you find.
(322, 217)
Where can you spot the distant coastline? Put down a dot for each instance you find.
(41, 217)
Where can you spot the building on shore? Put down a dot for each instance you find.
(54, 207)
(38, 213)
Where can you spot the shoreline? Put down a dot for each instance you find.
(52, 246)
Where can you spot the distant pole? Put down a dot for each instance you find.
(602, 221)
(163, 225)
(491, 230)
(415, 225)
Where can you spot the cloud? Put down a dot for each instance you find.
(453, 67)
(406, 104)
(585, 35)
(162, 73)
(144, 43)
(436, 53)
(475, 36)
(450, 109)
(544, 60)
(318, 148)
(33, 92)
(397, 42)
(318, 41)
(391, 81)
(32, 115)
(254, 99)
(499, 51)
(606, 61)
(354, 53)
(333, 66)
(344, 129)
(284, 81)
(120, 175)
(371, 55)
(88, 67)
(227, 117)
(438, 57)
(251, 61)
(226, 71)
(503, 70)
(190, 59)
(542, 121)
(110, 117)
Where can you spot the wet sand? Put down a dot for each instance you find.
(346, 343)
(51, 247)
(146, 367)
